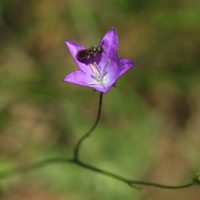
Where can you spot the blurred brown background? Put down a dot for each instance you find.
(150, 123)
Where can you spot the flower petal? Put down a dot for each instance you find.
(110, 46)
(124, 65)
(73, 49)
(77, 77)
(80, 78)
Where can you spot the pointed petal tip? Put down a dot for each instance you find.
(71, 43)
(68, 43)
(65, 80)
(112, 30)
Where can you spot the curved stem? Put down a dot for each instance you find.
(130, 182)
(160, 185)
(103, 172)
(77, 147)
(75, 160)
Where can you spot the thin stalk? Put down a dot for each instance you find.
(87, 134)
(130, 182)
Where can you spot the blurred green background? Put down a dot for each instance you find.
(150, 124)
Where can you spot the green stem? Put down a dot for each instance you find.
(130, 182)
(75, 160)
(160, 185)
(103, 172)
(77, 147)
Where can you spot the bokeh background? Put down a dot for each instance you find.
(150, 124)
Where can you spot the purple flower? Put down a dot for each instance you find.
(99, 71)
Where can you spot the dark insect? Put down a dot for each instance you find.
(89, 52)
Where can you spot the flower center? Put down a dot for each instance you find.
(99, 73)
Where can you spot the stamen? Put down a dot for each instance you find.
(95, 71)
(97, 67)
(105, 66)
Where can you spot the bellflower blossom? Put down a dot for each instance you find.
(99, 71)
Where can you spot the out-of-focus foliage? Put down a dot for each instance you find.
(150, 124)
